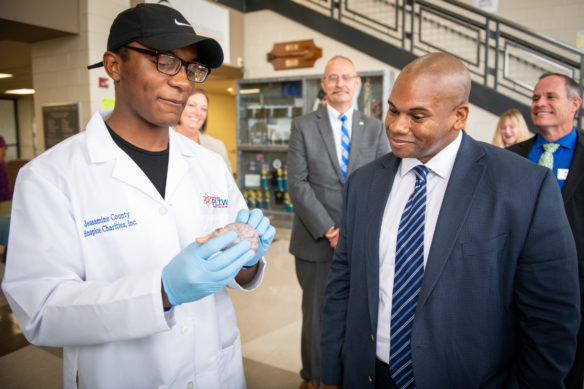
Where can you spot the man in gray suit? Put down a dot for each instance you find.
(325, 147)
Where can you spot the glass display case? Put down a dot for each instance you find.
(266, 108)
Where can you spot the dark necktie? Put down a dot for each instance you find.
(407, 281)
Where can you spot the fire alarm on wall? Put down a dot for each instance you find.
(104, 82)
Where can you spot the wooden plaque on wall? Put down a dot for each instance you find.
(60, 122)
(294, 55)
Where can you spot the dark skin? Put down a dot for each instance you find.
(147, 103)
(428, 107)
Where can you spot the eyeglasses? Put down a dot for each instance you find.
(335, 77)
(170, 65)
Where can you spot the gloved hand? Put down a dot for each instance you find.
(257, 220)
(195, 272)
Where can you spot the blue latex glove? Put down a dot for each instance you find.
(195, 273)
(257, 220)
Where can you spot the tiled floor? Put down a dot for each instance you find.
(269, 319)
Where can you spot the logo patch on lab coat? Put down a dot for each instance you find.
(211, 201)
(107, 223)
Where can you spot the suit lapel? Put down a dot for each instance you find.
(357, 137)
(466, 174)
(377, 195)
(524, 148)
(576, 173)
(323, 125)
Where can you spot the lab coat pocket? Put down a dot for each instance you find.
(231, 365)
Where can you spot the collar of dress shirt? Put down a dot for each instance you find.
(441, 164)
(334, 116)
(568, 141)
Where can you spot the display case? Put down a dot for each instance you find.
(266, 108)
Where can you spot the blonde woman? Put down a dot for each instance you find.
(193, 124)
(511, 129)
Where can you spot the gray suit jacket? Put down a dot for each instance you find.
(314, 176)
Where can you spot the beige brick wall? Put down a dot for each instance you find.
(558, 19)
(264, 28)
(59, 66)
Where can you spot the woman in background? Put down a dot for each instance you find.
(193, 124)
(511, 129)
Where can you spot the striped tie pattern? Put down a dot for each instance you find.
(409, 271)
(345, 146)
(547, 158)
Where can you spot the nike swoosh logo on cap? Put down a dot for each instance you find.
(181, 24)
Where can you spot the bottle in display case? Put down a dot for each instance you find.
(265, 113)
(265, 110)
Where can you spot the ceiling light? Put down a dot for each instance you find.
(5, 75)
(22, 91)
(249, 91)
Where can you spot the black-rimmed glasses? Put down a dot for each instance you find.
(170, 64)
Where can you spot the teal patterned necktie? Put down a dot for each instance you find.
(547, 158)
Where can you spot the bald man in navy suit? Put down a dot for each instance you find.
(316, 179)
(498, 302)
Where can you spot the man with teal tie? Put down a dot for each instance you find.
(560, 147)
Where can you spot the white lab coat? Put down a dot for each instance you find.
(89, 237)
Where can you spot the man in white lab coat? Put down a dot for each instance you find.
(101, 253)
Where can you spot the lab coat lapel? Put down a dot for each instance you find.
(126, 170)
(177, 165)
(102, 148)
(467, 172)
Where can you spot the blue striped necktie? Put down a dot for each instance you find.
(345, 146)
(407, 282)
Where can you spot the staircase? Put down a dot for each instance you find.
(505, 59)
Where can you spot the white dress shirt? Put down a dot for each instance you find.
(336, 124)
(439, 169)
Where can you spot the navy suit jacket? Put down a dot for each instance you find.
(499, 304)
(572, 194)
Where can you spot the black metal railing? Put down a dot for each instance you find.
(500, 54)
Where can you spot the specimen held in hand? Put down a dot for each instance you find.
(244, 232)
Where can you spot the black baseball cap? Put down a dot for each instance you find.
(161, 28)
